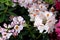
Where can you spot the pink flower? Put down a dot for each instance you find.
(15, 34)
(57, 5)
(11, 31)
(6, 35)
(2, 29)
(57, 30)
(14, 0)
(58, 24)
(2, 38)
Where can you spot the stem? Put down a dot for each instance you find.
(6, 9)
(30, 30)
(38, 36)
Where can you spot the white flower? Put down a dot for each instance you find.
(15, 19)
(48, 14)
(51, 21)
(6, 35)
(20, 18)
(21, 1)
(42, 7)
(2, 30)
(28, 1)
(25, 2)
(41, 15)
(14, 0)
(33, 11)
(32, 8)
(1, 38)
(41, 28)
(47, 29)
(11, 31)
(18, 28)
(7, 26)
(32, 17)
(45, 23)
(37, 11)
(38, 21)
(40, 1)
(52, 9)
(12, 24)
(16, 25)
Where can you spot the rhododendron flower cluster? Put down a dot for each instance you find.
(36, 9)
(24, 3)
(38, 13)
(45, 22)
(12, 29)
(43, 19)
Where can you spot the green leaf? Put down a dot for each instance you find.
(2, 7)
(7, 2)
(11, 9)
(49, 1)
(1, 13)
(2, 17)
(2, 1)
(0, 35)
(45, 36)
(11, 13)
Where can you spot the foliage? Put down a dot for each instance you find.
(49, 1)
(5, 10)
(7, 2)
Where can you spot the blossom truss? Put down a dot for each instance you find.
(13, 28)
(24, 3)
(37, 9)
(43, 19)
